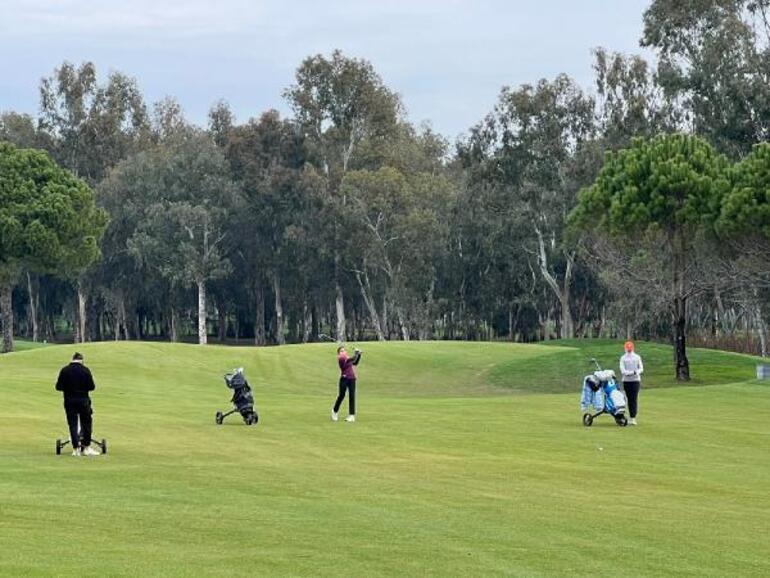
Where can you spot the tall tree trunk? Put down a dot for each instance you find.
(427, 325)
(222, 322)
(370, 305)
(34, 304)
(680, 345)
(385, 330)
(339, 300)
(280, 337)
(316, 322)
(81, 335)
(97, 327)
(259, 314)
(682, 364)
(567, 328)
(174, 335)
(50, 329)
(202, 327)
(307, 322)
(6, 311)
(761, 331)
(760, 321)
(402, 324)
(123, 319)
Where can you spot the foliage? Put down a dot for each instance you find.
(672, 183)
(714, 58)
(49, 221)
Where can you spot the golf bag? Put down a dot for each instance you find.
(600, 392)
(243, 399)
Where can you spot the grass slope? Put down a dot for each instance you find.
(446, 473)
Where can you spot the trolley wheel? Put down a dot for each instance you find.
(219, 418)
(622, 421)
(588, 420)
(58, 447)
(104, 446)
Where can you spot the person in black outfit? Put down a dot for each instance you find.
(75, 381)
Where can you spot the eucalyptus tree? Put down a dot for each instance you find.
(398, 225)
(267, 157)
(342, 106)
(183, 196)
(92, 126)
(630, 101)
(714, 57)
(535, 148)
(744, 225)
(23, 131)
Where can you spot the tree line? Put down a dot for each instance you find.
(632, 208)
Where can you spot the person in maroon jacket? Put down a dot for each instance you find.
(347, 383)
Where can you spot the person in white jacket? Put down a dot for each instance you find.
(631, 369)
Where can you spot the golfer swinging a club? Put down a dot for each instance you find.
(347, 383)
(75, 381)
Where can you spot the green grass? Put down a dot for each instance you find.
(566, 362)
(459, 465)
(24, 345)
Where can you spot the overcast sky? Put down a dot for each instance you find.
(447, 58)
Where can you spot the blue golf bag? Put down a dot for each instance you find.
(601, 393)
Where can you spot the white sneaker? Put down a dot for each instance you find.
(89, 451)
(76, 452)
(335, 416)
(350, 419)
(632, 421)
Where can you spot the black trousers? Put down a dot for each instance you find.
(632, 393)
(349, 386)
(79, 411)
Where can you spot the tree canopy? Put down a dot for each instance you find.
(49, 222)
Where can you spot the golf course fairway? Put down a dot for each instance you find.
(467, 459)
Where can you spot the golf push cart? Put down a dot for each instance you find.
(102, 445)
(600, 391)
(243, 399)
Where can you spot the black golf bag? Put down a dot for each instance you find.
(243, 399)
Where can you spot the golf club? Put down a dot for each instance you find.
(324, 337)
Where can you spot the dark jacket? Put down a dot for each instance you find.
(75, 381)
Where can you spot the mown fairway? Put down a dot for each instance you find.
(468, 460)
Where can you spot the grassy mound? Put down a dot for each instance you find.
(445, 473)
(566, 362)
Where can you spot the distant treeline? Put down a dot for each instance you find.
(346, 219)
